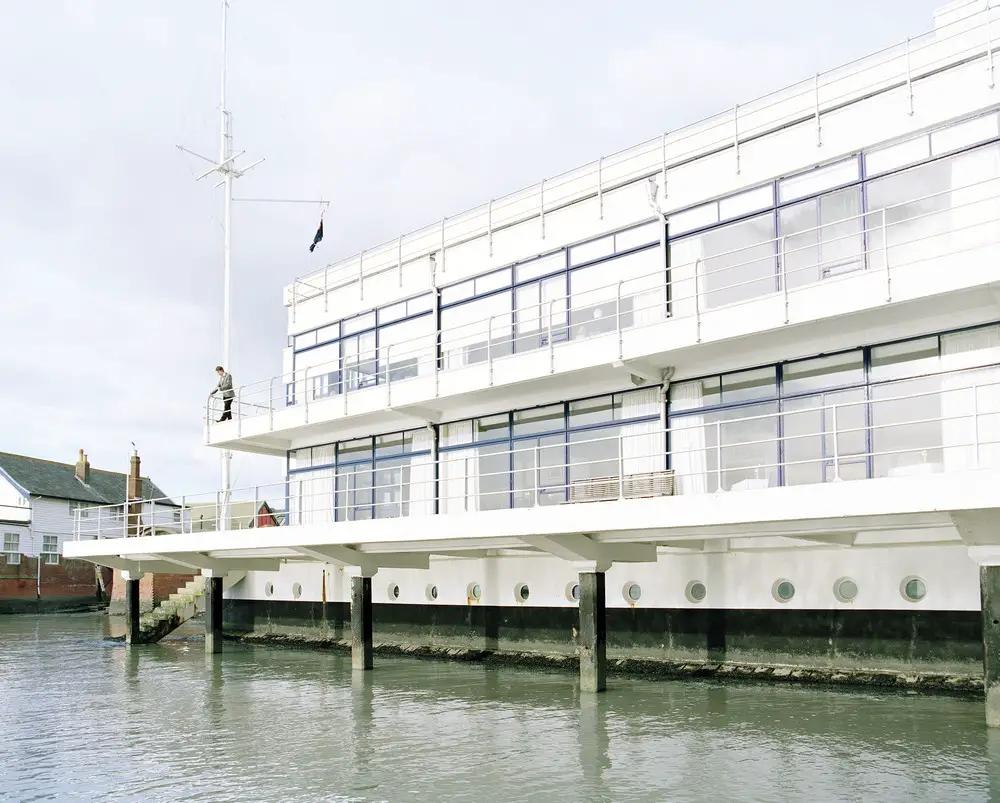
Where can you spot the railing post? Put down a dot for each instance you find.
(326, 289)
(465, 485)
(552, 348)
(256, 505)
(361, 275)
(399, 259)
(489, 226)
(885, 256)
(618, 317)
(489, 348)
(989, 46)
(697, 302)
(909, 77)
(718, 457)
(819, 125)
(621, 467)
(270, 404)
(784, 276)
(388, 377)
(836, 447)
(443, 221)
(79, 522)
(736, 135)
(400, 493)
(306, 392)
(183, 509)
(541, 206)
(218, 511)
(239, 411)
(534, 479)
(975, 422)
(600, 186)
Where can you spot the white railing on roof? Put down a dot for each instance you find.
(895, 66)
(884, 241)
(954, 428)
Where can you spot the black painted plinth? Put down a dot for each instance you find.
(132, 633)
(213, 614)
(361, 623)
(593, 632)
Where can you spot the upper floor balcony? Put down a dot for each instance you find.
(896, 252)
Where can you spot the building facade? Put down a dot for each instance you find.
(750, 368)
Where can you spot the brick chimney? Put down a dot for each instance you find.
(83, 468)
(134, 492)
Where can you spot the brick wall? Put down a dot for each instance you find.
(64, 580)
(153, 589)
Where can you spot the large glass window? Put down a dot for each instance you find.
(810, 424)
(477, 330)
(907, 434)
(804, 376)
(540, 309)
(359, 360)
(407, 349)
(822, 237)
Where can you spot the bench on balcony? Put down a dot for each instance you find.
(635, 486)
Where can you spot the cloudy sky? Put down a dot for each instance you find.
(398, 111)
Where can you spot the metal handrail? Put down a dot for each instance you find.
(434, 342)
(647, 449)
(908, 53)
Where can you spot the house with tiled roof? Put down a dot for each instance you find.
(41, 499)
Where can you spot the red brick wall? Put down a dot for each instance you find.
(68, 578)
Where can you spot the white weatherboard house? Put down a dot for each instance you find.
(748, 372)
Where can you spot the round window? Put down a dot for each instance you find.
(845, 589)
(695, 591)
(474, 591)
(913, 589)
(573, 592)
(432, 592)
(521, 592)
(782, 590)
(269, 590)
(296, 590)
(632, 592)
(393, 591)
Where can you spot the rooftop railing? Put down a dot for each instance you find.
(826, 438)
(884, 242)
(899, 66)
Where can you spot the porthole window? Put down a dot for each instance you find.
(474, 591)
(269, 590)
(695, 591)
(783, 590)
(845, 589)
(393, 591)
(573, 592)
(521, 592)
(632, 592)
(296, 590)
(913, 589)
(432, 592)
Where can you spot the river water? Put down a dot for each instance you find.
(82, 718)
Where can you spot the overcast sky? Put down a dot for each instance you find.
(399, 112)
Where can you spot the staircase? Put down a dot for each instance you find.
(179, 607)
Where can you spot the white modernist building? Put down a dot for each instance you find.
(750, 364)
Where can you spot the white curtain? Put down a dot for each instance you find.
(959, 397)
(459, 472)
(642, 442)
(311, 497)
(645, 278)
(422, 475)
(684, 256)
(687, 439)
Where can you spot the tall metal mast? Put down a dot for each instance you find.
(227, 168)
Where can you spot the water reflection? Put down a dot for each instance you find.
(301, 726)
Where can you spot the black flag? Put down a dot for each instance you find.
(318, 238)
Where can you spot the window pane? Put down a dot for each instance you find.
(407, 348)
(386, 445)
(324, 455)
(900, 360)
(359, 323)
(391, 491)
(588, 252)
(494, 478)
(746, 202)
(822, 237)
(354, 494)
(300, 458)
(540, 471)
(456, 433)
(467, 328)
(692, 219)
(962, 135)
(759, 383)
(593, 455)
(540, 267)
(593, 411)
(424, 303)
(328, 333)
(349, 451)
(641, 235)
(457, 292)
(492, 281)
(823, 372)
(749, 447)
(817, 180)
(543, 419)
(491, 427)
(898, 155)
(738, 261)
(392, 313)
(305, 340)
(809, 432)
(906, 439)
(696, 393)
(637, 404)
(971, 349)
(359, 360)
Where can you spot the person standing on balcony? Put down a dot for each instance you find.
(226, 387)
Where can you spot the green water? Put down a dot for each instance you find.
(85, 719)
